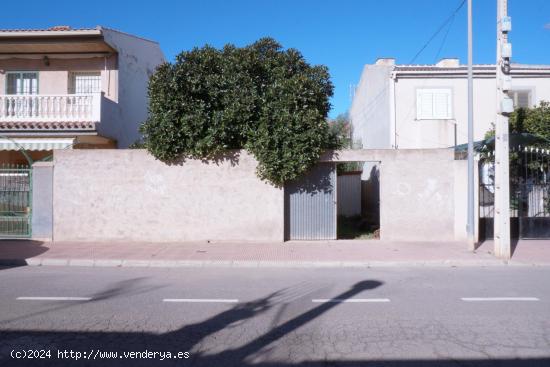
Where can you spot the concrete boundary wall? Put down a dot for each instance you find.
(422, 193)
(127, 195)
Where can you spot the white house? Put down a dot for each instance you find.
(425, 106)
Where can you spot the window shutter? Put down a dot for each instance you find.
(424, 104)
(434, 104)
(441, 105)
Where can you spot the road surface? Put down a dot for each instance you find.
(418, 316)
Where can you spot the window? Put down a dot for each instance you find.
(85, 83)
(22, 83)
(521, 98)
(434, 104)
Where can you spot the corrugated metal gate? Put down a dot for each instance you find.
(310, 205)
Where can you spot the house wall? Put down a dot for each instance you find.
(54, 79)
(413, 133)
(137, 60)
(370, 110)
(127, 195)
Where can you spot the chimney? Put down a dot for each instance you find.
(385, 61)
(448, 63)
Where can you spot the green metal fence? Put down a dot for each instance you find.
(15, 201)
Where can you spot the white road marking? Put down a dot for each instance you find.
(53, 298)
(351, 300)
(491, 299)
(201, 300)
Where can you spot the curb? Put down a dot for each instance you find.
(254, 264)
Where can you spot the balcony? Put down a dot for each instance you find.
(50, 108)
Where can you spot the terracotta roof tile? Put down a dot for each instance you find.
(58, 28)
(46, 126)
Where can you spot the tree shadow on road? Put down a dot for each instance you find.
(191, 337)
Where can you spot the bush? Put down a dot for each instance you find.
(261, 98)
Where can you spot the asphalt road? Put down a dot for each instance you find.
(439, 316)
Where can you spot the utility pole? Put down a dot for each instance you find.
(470, 222)
(502, 148)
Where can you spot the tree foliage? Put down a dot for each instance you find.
(261, 98)
(535, 120)
(340, 131)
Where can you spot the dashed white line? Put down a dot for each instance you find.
(53, 298)
(201, 300)
(493, 299)
(351, 300)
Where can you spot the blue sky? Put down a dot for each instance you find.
(342, 34)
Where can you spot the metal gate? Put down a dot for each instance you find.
(310, 205)
(15, 201)
(529, 194)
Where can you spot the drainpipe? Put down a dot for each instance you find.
(393, 119)
(108, 76)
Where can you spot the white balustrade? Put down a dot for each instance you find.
(40, 107)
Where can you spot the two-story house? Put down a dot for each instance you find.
(64, 88)
(426, 106)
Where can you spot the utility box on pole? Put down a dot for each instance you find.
(502, 161)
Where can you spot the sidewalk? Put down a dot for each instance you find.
(289, 254)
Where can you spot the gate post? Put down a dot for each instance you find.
(42, 201)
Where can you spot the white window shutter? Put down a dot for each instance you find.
(441, 105)
(424, 104)
(434, 104)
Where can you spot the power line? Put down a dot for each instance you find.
(441, 27)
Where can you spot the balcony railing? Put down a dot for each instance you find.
(59, 107)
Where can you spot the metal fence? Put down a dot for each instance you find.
(15, 201)
(529, 193)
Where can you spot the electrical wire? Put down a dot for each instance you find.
(441, 27)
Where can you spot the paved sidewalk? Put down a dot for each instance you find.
(289, 254)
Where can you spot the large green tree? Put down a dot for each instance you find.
(535, 121)
(261, 98)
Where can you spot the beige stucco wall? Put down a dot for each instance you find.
(417, 192)
(127, 195)
(417, 197)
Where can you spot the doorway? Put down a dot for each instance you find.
(358, 197)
